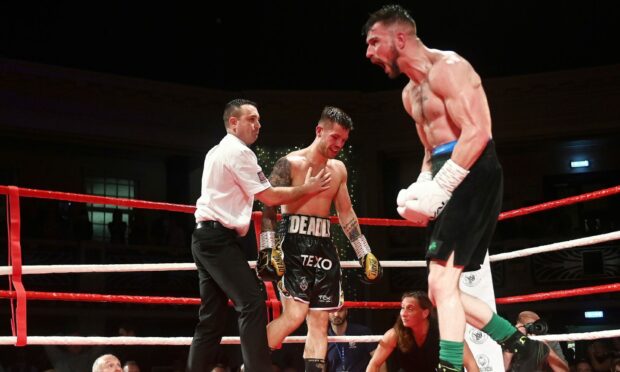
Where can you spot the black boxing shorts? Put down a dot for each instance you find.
(313, 274)
(467, 223)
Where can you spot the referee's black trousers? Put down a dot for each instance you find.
(224, 273)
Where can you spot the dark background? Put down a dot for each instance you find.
(300, 44)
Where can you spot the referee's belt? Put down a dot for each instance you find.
(210, 225)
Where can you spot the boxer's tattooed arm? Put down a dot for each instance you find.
(352, 229)
(280, 176)
(281, 173)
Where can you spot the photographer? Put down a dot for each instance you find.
(600, 356)
(529, 323)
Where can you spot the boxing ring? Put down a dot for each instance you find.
(19, 296)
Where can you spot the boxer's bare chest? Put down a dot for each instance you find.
(317, 204)
(426, 106)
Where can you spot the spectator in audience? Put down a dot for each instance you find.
(415, 338)
(347, 356)
(599, 356)
(529, 323)
(117, 228)
(583, 366)
(105, 363)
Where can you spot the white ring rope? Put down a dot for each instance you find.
(579, 336)
(180, 341)
(96, 340)
(119, 268)
(58, 269)
(116, 268)
(590, 240)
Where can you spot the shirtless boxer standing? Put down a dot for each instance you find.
(460, 184)
(311, 283)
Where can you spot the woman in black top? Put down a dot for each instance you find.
(415, 338)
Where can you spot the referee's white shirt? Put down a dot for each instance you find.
(230, 179)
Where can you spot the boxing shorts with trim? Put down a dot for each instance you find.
(313, 274)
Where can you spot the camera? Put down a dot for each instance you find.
(538, 327)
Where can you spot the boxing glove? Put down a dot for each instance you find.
(270, 262)
(404, 194)
(371, 269)
(430, 198)
(412, 215)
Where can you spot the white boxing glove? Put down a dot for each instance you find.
(412, 215)
(429, 198)
(405, 194)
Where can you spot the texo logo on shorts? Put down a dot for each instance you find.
(316, 261)
(309, 225)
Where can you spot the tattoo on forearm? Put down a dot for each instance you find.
(280, 176)
(281, 173)
(352, 229)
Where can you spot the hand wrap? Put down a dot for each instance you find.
(371, 267)
(429, 198)
(270, 263)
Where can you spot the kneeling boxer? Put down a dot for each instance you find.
(303, 257)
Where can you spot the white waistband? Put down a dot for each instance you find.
(308, 225)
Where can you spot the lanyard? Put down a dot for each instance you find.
(341, 349)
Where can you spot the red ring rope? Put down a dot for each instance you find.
(158, 300)
(43, 194)
(559, 203)
(82, 198)
(605, 288)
